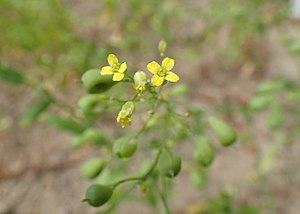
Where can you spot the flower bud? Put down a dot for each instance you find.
(97, 195)
(140, 80)
(124, 116)
(162, 46)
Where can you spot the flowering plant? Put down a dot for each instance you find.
(155, 134)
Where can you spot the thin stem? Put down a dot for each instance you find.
(164, 201)
(135, 96)
(142, 178)
(127, 180)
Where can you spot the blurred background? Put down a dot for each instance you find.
(224, 49)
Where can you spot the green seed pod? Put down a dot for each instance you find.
(198, 177)
(93, 82)
(125, 147)
(92, 104)
(93, 167)
(169, 164)
(204, 153)
(97, 195)
(225, 134)
(93, 136)
(162, 46)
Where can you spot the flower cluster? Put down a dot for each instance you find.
(160, 74)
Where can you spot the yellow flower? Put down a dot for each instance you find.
(124, 116)
(163, 72)
(115, 68)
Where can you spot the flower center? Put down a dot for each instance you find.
(162, 72)
(116, 67)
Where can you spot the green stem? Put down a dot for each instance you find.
(141, 178)
(164, 201)
(127, 180)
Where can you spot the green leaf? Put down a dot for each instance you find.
(64, 123)
(11, 75)
(34, 111)
(275, 116)
(260, 101)
(94, 82)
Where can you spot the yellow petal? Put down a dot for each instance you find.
(118, 76)
(106, 70)
(172, 77)
(168, 63)
(157, 80)
(112, 59)
(153, 67)
(123, 67)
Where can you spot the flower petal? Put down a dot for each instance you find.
(153, 67)
(168, 63)
(112, 59)
(123, 67)
(172, 77)
(157, 80)
(118, 76)
(106, 70)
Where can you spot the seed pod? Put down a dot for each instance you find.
(198, 177)
(92, 104)
(204, 153)
(225, 134)
(93, 167)
(125, 147)
(97, 195)
(93, 136)
(93, 82)
(169, 164)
